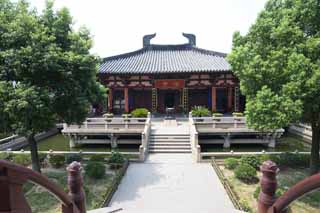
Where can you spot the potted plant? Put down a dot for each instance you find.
(108, 116)
(126, 117)
(200, 111)
(216, 116)
(140, 113)
(237, 115)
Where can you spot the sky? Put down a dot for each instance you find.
(117, 26)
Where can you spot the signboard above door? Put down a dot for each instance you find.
(169, 84)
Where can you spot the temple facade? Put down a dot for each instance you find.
(179, 76)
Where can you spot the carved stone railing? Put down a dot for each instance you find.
(13, 177)
(143, 148)
(267, 202)
(195, 147)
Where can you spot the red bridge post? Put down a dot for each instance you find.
(75, 186)
(268, 184)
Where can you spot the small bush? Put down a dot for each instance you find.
(237, 114)
(22, 159)
(116, 159)
(56, 161)
(200, 111)
(246, 173)
(5, 156)
(140, 113)
(95, 169)
(293, 160)
(73, 157)
(252, 160)
(100, 158)
(231, 163)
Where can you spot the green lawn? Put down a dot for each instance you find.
(286, 178)
(42, 201)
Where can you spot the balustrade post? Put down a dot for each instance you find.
(75, 186)
(11, 193)
(268, 183)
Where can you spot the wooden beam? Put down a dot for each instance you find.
(126, 100)
(230, 99)
(213, 99)
(110, 96)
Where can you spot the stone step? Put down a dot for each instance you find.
(169, 150)
(169, 139)
(169, 136)
(170, 144)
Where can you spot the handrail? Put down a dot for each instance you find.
(303, 187)
(19, 175)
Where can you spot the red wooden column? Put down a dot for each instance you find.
(126, 100)
(230, 99)
(110, 96)
(213, 99)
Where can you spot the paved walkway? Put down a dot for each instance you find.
(171, 183)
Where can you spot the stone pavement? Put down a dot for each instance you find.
(171, 183)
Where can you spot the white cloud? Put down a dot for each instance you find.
(117, 26)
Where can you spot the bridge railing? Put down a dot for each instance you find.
(13, 177)
(267, 202)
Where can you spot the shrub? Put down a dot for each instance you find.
(5, 156)
(73, 157)
(246, 173)
(100, 158)
(231, 163)
(293, 160)
(237, 114)
(252, 160)
(279, 192)
(200, 111)
(140, 113)
(56, 161)
(95, 169)
(217, 114)
(116, 159)
(22, 159)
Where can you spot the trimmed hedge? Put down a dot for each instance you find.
(95, 169)
(57, 161)
(22, 159)
(231, 163)
(252, 160)
(246, 173)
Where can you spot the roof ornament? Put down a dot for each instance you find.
(191, 38)
(147, 39)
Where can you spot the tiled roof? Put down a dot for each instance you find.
(156, 59)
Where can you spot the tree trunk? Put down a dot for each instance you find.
(34, 153)
(315, 160)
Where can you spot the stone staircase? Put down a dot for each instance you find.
(169, 137)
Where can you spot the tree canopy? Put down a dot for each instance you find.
(47, 73)
(278, 64)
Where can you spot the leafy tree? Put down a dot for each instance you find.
(278, 64)
(47, 74)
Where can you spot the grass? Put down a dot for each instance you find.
(286, 178)
(42, 201)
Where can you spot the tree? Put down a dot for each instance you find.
(51, 67)
(278, 64)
